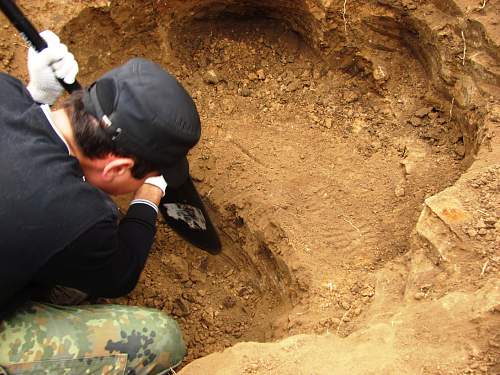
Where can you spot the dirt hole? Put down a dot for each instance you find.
(315, 171)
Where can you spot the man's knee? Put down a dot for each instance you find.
(151, 339)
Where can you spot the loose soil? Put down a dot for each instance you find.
(315, 176)
(332, 168)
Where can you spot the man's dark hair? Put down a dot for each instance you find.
(93, 140)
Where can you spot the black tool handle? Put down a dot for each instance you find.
(30, 34)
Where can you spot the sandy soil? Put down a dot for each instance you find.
(316, 174)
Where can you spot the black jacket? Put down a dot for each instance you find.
(55, 227)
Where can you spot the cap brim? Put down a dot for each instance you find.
(177, 174)
(184, 211)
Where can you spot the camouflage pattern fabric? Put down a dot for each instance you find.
(94, 339)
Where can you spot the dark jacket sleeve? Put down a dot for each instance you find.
(106, 260)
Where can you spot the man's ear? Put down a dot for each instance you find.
(117, 167)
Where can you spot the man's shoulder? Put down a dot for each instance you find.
(9, 82)
(12, 90)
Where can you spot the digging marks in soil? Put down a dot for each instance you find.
(218, 300)
(338, 163)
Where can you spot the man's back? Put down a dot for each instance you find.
(44, 202)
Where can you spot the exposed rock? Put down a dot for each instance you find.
(465, 91)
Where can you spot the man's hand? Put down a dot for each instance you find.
(157, 181)
(47, 66)
(151, 192)
(148, 194)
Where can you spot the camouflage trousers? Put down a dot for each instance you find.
(95, 339)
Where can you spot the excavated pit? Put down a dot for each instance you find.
(315, 159)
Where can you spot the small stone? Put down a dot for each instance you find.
(368, 292)
(494, 343)
(482, 232)
(409, 4)
(358, 125)
(181, 308)
(328, 123)
(415, 121)
(380, 74)
(306, 74)
(419, 295)
(472, 232)
(178, 265)
(294, 85)
(460, 150)
(211, 77)
(422, 112)
(495, 113)
(345, 305)
(229, 302)
(188, 297)
(480, 224)
(346, 319)
(197, 276)
(425, 287)
(244, 290)
(252, 76)
(245, 91)
(490, 222)
(260, 74)
(399, 191)
(350, 97)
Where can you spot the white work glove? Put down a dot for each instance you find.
(46, 66)
(157, 181)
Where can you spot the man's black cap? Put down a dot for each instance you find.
(149, 114)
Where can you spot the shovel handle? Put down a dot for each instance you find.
(30, 34)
